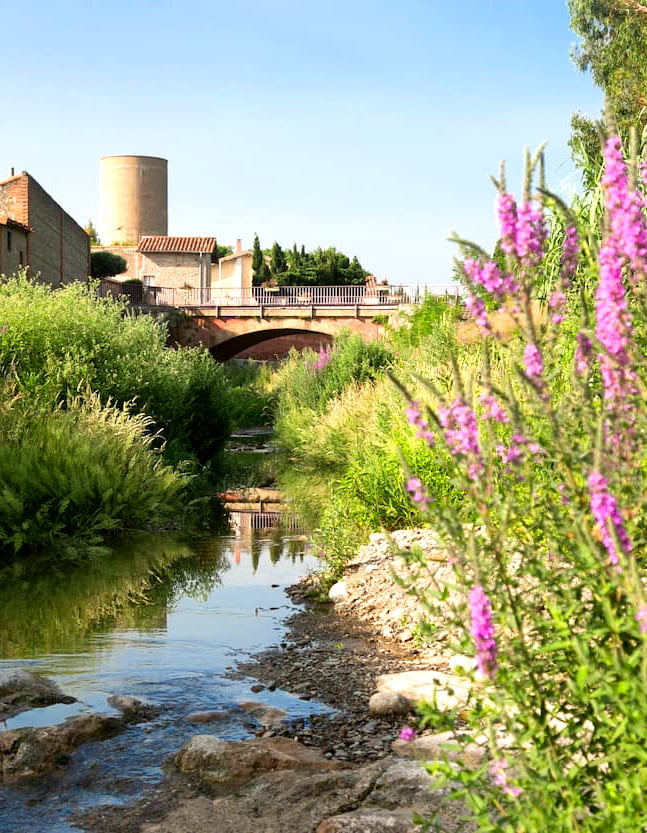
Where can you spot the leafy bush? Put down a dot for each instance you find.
(106, 265)
(59, 342)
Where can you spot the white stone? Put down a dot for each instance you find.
(338, 592)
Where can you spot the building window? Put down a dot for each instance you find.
(8, 241)
(21, 258)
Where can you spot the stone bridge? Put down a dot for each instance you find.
(230, 322)
(227, 332)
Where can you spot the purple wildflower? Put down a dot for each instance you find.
(492, 409)
(557, 302)
(476, 309)
(533, 361)
(531, 234)
(624, 208)
(418, 492)
(608, 518)
(324, 358)
(523, 230)
(482, 632)
(507, 212)
(641, 618)
(613, 328)
(461, 435)
(407, 733)
(488, 275)
(499, 771)
(583, 354)
(415, 418)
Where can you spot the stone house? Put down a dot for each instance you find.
(35, 232)
(231, 277)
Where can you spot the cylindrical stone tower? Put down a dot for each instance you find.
(134, 198)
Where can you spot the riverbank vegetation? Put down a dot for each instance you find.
(526, 453)
(102, 427)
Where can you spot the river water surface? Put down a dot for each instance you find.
(164, 620)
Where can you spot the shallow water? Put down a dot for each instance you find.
(163, 620)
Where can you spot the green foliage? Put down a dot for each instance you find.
(258, 262)
(60, 342)
(296, 267)
(223, 251)
(92, 233)
(106, 265)
(312, 380)
(278, 261)
(613, 44)
(432, 321)
(72, 475)
(252, 399)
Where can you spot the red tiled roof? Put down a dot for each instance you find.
(198, 245)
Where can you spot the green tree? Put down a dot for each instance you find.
(106, 264)
(223, 251)
(258, 260)
(613, 45)
(278, 261)
(92, 233)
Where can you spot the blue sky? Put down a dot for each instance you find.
(372, 126)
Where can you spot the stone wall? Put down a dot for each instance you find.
(58, 249)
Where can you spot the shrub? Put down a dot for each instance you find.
(59, 342)
(106, 265)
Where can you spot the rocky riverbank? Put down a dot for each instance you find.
(343, 772)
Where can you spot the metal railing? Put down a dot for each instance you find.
(274, 296)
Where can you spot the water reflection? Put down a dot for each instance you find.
(48, 611)
(163, 619)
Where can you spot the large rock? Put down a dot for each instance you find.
(21, 690)
(389, 703)
(445, 691)
(216, 762)
(30, 753)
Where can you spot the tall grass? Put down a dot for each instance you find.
(72, 475)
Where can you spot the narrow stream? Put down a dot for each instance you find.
(163, 620)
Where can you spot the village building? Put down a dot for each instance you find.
(37, 234)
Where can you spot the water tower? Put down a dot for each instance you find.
(134, 198)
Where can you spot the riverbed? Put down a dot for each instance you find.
(166, 620)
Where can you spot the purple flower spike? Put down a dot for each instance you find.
(641, 618)
(533, 361)
(608, 518)
(461, 435)
(570, 255)
(415, 418)
(418, 492)
(499, 771)
(482, 632)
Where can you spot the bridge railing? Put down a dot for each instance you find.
(275, 296)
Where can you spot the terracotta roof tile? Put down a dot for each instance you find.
(198, 245)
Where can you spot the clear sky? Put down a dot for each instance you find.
(369, 125)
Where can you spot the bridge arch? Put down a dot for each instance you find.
(238, 343)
